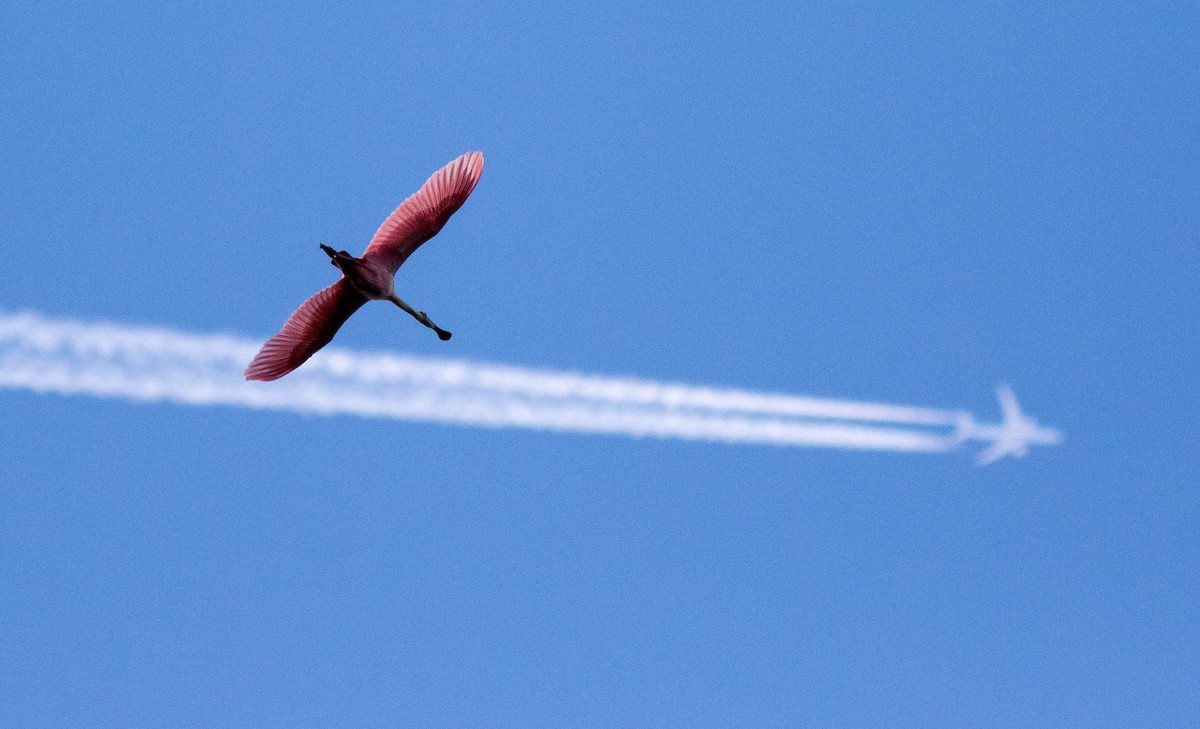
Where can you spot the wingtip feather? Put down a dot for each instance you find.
(423, 213)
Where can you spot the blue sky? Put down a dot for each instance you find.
(871, 201)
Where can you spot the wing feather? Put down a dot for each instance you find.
(311, 327)
(423, 214)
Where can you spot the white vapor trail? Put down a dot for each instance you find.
(150, 364)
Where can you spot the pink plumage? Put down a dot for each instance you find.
(415, 221)
(422, 215)
(311, 327)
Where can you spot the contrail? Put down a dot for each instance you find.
(152, 364)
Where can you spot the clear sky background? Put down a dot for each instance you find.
(905, 202)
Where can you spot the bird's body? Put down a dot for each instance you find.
(371, 277)
(367, 274)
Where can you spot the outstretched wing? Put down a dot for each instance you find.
(307, 330)
(422, 215)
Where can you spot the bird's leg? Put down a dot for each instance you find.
(419, 316)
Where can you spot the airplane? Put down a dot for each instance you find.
(1014, 434)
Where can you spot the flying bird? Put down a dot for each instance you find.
(415, 221)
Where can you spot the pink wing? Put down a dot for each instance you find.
(307, 330)
(422, 215)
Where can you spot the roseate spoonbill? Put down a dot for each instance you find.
(415, 221)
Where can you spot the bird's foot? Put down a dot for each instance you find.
(424, 319)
